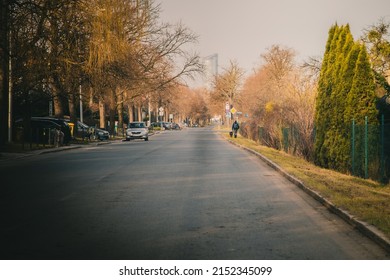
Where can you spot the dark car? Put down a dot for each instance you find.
(176, 126)
(90, 132)
(100, 134)
(42, 129)
(162, 125)
(61, 122)
(83, 130)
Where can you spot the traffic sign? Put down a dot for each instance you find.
(233, 110)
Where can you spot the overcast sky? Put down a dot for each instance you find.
(241, 30)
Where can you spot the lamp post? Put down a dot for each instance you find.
(81, 105)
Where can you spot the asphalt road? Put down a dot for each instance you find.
(182, 195)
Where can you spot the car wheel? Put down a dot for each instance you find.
(146, 139)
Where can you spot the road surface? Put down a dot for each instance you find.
(182, 195)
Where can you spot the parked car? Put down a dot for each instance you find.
(41, 131)
(137, 130)
(100, 134)
(61, 122)
(163, 125)
(176, 126)
(90, 132)
(83, 130)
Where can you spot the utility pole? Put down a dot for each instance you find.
(149, 113)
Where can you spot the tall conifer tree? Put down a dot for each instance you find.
(334, 135)
(362, 98)
(346, 91)
(322, 103)
(343, 141)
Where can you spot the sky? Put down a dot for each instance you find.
(242, 30)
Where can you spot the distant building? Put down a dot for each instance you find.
(211, 69)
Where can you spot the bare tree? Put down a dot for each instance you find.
(377, 39)
(226, 86)
(281, 95)
(145, 51)
(116, 48)
(313, 67)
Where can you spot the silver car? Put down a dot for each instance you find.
(137, 130)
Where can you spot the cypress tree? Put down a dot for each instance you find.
(343, 141)
(334, 134)
(346, 91)
(322, 102)
(361, 103)
(362, 98)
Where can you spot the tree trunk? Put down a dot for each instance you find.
(58, 107)
(90, 101)
(57, 100)
(131, 112)
(112, 111)
(139, 113)
(120, 113)
(102, 113)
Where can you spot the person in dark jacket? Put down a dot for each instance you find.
(235, 128)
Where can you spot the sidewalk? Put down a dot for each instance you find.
(4, 156)
(17, 155)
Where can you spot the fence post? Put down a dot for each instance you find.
(366, 148)
(353, 147)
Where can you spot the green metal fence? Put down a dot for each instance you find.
(367, 154)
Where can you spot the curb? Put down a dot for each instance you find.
(48, 151)
(59, 149)
(66, 148)
(368, 230)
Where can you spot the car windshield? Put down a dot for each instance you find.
(137, 125)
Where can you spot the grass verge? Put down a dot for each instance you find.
(367, 200)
